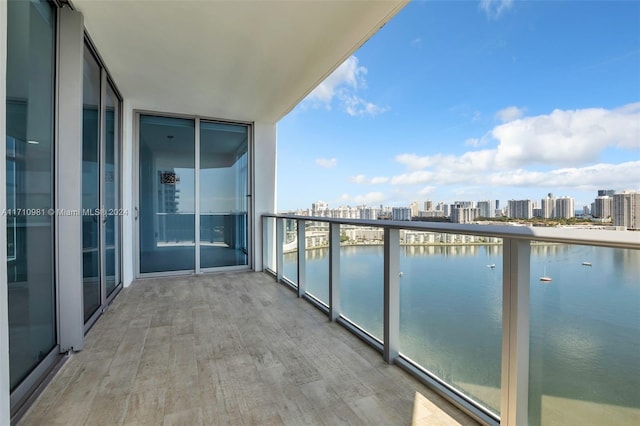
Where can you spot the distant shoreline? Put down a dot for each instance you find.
(380, 243)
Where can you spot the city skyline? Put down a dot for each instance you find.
(473, 100)
(502, 203)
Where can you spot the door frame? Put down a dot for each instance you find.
(136, 194)
(106, 81)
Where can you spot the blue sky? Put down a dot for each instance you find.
(473, 100)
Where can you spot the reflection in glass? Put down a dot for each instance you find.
(270, 253)
(290, 250)
(167, 194)
(223, 194)
(584, 363)
(451, 310)
(362, 283)
(91, 184)
(111, 175)
(29, 146)
(317, 260)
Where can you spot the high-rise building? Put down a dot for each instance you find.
(486, 208)
(414, 208)
(565, 208)
(320, 209)
(606, 192)
(400, 213)
(548, 207)
(520, 209)
(461, 214)
(602, 207)
(369, 213)
(626, 209)
(428, 205)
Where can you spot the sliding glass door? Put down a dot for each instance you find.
(101, 215)
(167, 194)
(193, 180)
(31, 35)
(223, 194)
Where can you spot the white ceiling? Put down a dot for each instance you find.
(239, 60)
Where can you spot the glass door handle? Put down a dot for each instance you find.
(136, 216)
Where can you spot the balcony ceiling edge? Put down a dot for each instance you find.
(241, 60)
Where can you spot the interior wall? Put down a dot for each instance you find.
(264, 187)
(4, 291)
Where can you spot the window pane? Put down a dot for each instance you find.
(167, 194)
(112, 190)
(29, 141)
(223, 194)
(90, 184)
(451, 310)
(584, 363)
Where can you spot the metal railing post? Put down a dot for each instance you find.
(391, 294)
(334, 271)
(515, 332)
(302, 258)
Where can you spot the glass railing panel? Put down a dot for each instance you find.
(269, 246)
(362, 277)
(584, 365)
(317, 260)
(290, 250)
(451, 310)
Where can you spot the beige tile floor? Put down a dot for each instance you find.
(234, 349)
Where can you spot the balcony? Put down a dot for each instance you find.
(515, 325)
(229, 349)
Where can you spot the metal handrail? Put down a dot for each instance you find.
(591, 237)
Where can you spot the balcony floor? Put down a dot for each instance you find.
(229, 349)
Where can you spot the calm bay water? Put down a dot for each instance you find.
(585, 324)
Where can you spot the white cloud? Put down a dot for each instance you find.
(348, 74)
(356, 106)
(510, 113)
(369, 198)
(560, 149)
(495, 8)
(624, 175)
(362, 179)
(327, 163)
(427, 190)
(567, 138)
(342, 85)
(379, 179)
(416, 41)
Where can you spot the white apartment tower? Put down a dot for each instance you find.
(626, 209)
(565, 208)
(521, 209)
(603, 207)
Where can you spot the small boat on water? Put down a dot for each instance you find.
(586, 264)
(492, 266)
(545, 278)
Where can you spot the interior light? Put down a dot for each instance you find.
(33, 142)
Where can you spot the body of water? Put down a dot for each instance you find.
(584, 324)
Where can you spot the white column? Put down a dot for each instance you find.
(129, 247)
(69, 180)
(515, 332)
(391, 294)
(263, 183)
(4, 290)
